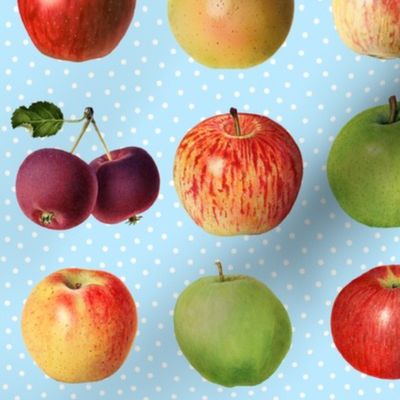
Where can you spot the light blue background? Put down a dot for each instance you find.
(149, 93)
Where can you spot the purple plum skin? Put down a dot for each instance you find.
(128, 184)
(55, 181)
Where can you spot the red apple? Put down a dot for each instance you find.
(79, 325)
(238, 174)
(77, 30)
(128, 184)
(365, 322)
(369, 27)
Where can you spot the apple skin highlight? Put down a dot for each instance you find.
(365, 322)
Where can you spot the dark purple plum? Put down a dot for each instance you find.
(56, 189)
(128, 184)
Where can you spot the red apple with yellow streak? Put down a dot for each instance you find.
(238, 173)
(79, 324)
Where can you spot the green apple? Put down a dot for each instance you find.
(232, 329)
(364, 166)
(230, 33)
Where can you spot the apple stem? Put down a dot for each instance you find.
(78, 285)
(235, 116)
(393, 109)
(88, 116)
(220, 271)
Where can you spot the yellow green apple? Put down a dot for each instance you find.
(230, 33)
(79, 324)
(232, 329)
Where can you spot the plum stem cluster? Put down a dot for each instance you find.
(88, 118)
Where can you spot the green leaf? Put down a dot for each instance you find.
(41, 119)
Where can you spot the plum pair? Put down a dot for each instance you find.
(58, 190)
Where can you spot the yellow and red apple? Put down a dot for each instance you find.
(79, 324)
(230, 33)
(238, 173)
(369, 27)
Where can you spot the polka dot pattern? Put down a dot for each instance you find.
(148, 93)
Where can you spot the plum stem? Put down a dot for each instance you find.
(103, 142)
(70, 121)
(220, 271)
(88, 116)
(67, 121)
(235, 117)
(393, 109)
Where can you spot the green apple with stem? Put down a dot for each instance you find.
(364, 166)
(232, 329)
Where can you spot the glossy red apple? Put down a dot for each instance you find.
(77, 30)
(365, 322)
(56, 189)
(238, 173)
(128, 184)
(79, 324)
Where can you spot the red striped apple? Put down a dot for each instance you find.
(238, 173)
(79, 325)
(76, 30)
(365, 322)
(369, 27)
